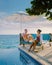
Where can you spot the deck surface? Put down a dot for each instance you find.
(44, 55)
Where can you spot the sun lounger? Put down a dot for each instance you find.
(22, 42)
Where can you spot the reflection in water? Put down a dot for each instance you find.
(26, 60)
(22, 59)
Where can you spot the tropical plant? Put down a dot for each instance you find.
(39, 7)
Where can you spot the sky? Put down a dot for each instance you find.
(8, 9)
(13, 6)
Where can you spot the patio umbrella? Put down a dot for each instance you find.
(32, 23)
(21, 16)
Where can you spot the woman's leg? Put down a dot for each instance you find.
(35, 43)
(31, 46)
(34, 46)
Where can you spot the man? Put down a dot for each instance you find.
(25, 35)
(37, 41)
(24, 38)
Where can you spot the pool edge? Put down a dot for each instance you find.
(35, 57)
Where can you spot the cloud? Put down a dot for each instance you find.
(3, 14)
(22, 12)
(8, 27)
(11, 25)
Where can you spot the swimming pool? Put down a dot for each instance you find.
(15, 57)
(11, 55)
(28, 59)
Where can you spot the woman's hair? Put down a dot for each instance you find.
(39, 30)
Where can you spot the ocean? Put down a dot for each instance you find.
(9, 41)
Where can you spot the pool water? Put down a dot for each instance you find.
(15, 57)
(10, 54)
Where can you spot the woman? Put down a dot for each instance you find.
(37, 41)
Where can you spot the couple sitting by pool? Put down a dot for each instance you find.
(27, 38)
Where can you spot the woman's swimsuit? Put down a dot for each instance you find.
(38, 38)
